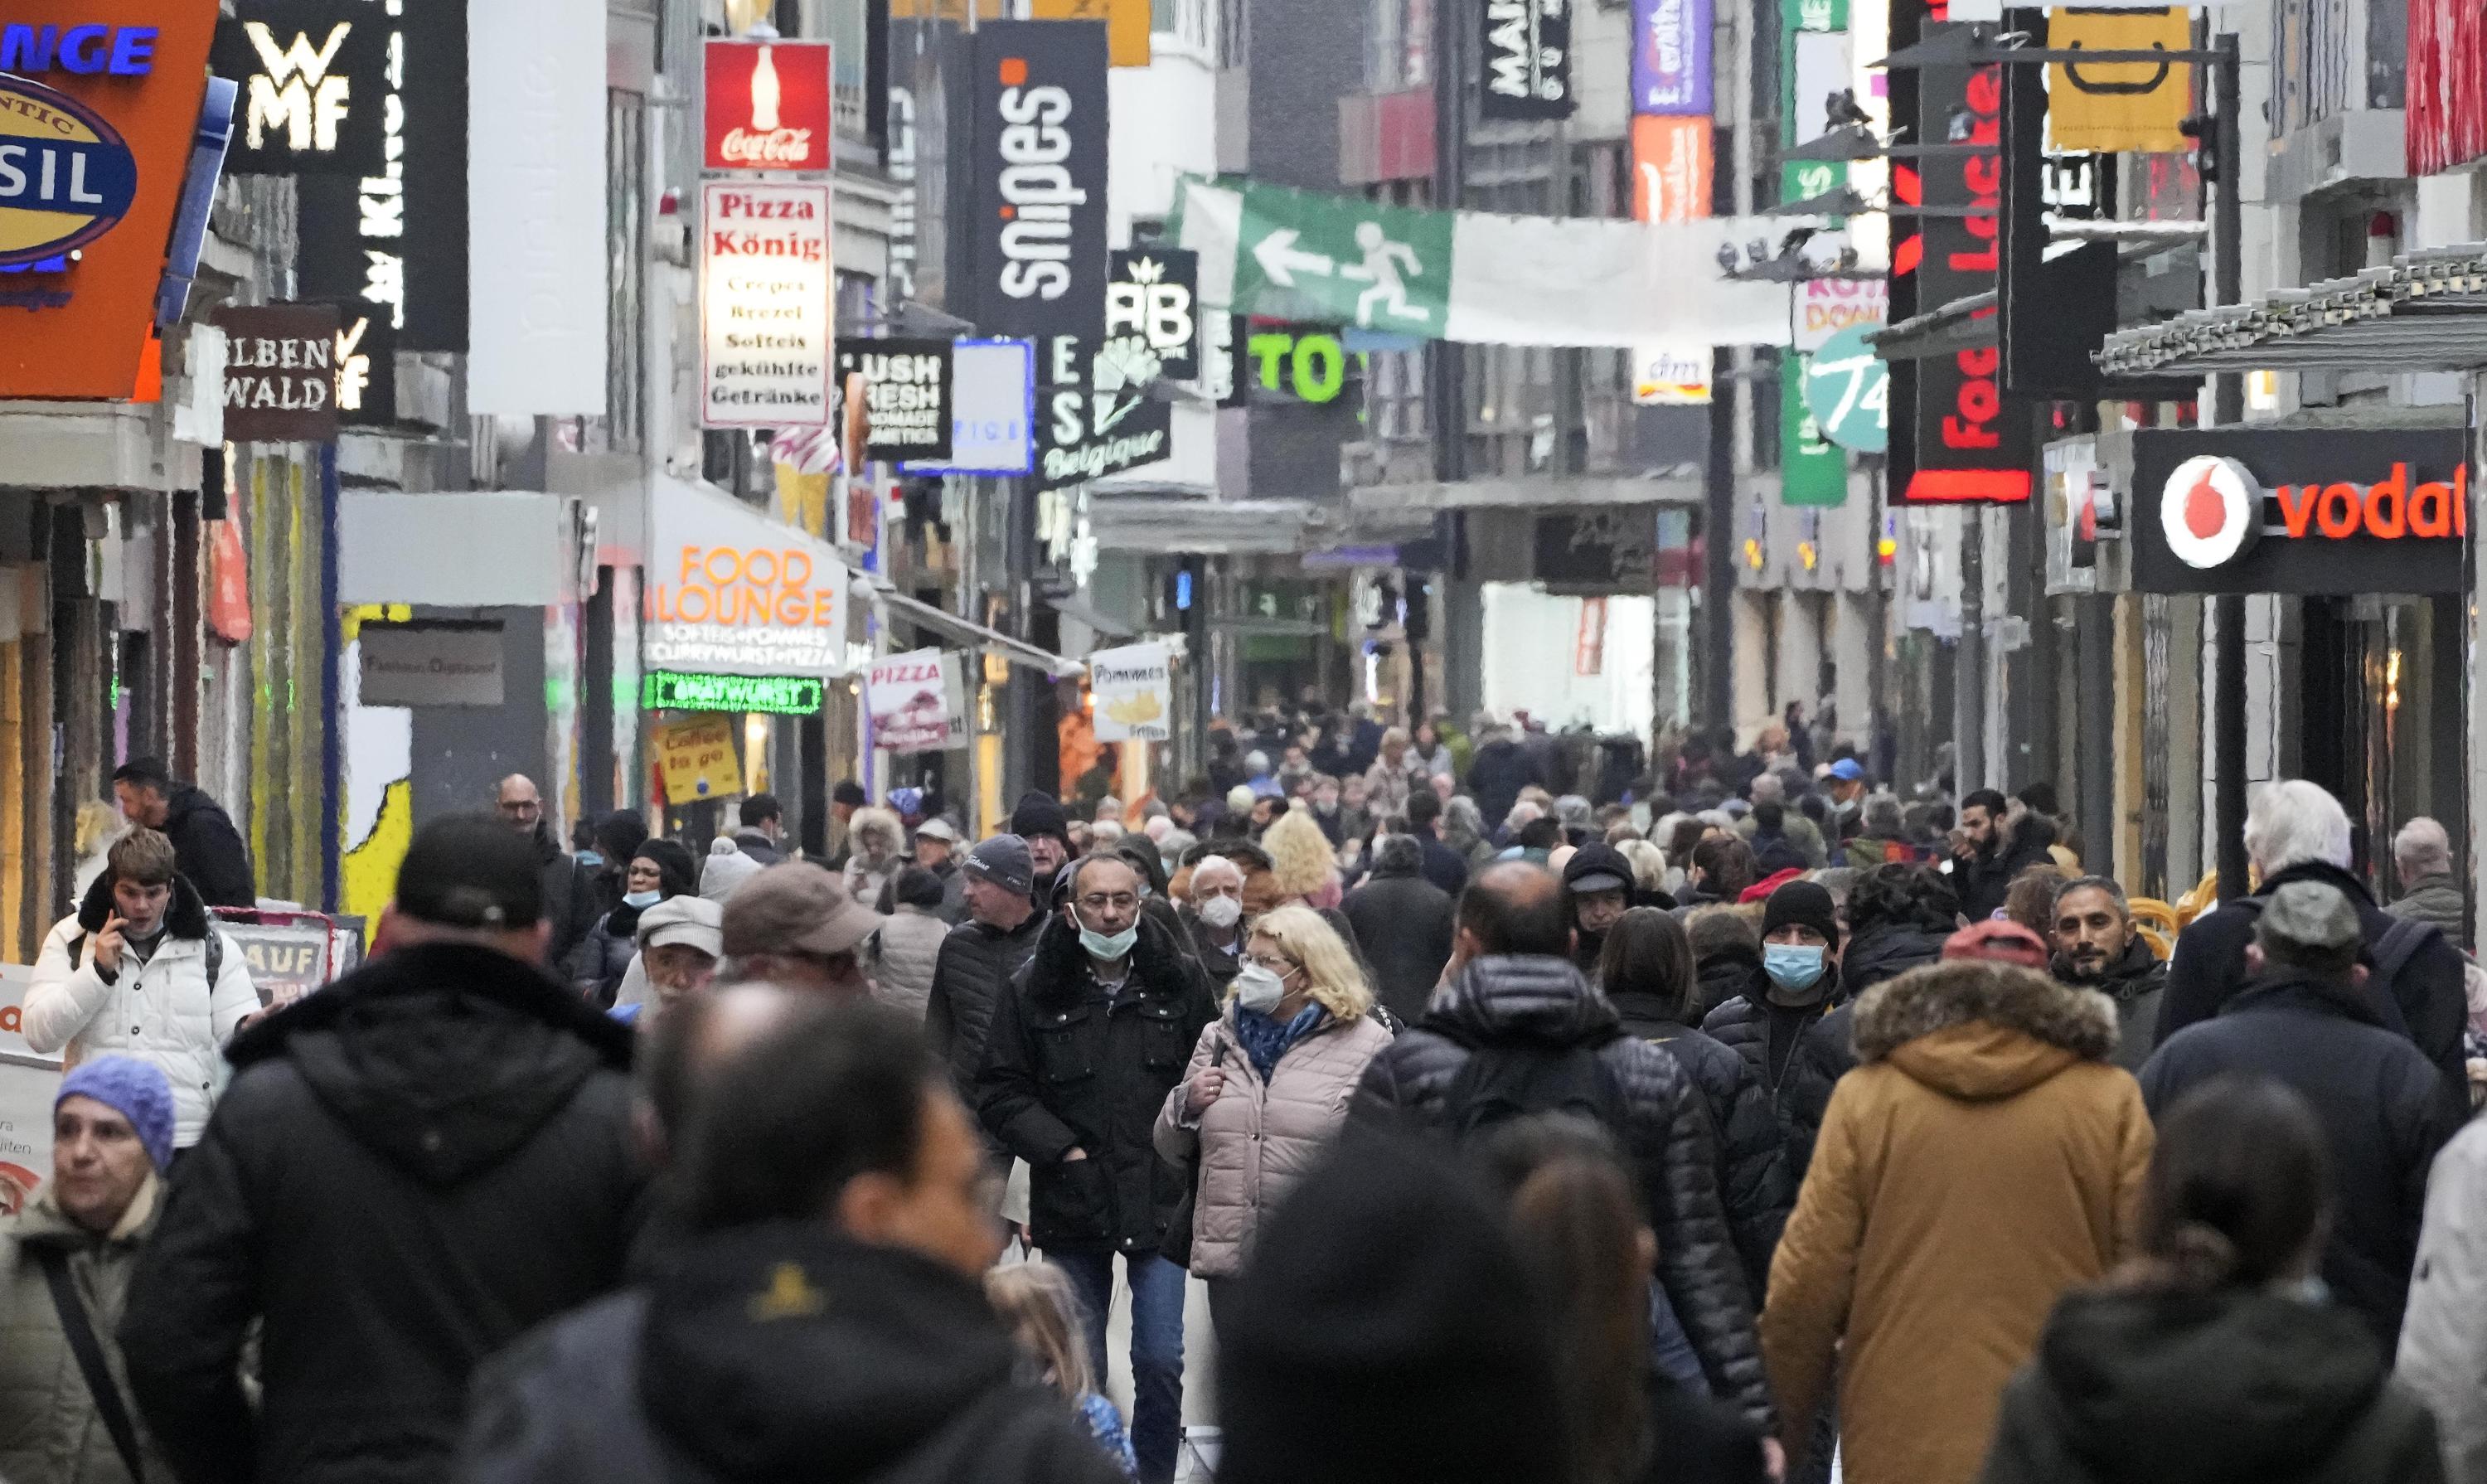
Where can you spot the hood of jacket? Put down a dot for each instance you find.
(443, 1059)
(1886, 950)
(1058, 968)
(184, 916)
(783, 1352)
(2217, 1388)
(1978, 1030)
(2319, 871)
(1523, 998)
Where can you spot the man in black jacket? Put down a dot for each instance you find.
(1597, 892)
(206, 849)
(1444, 866)
(1790, 1023)
(1980, 872)
(1403, 926)
(824, 1315)
(2097, 947)
(1497, 773)
(570, 908)
(1513, 986)
(1093, 1035)
(2304, 1018)
(763, 835)
(974, 968)
(2295, 832)
(410, 1168)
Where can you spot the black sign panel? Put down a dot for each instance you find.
(1527, 60)
(366, 367)
(1033, 245)
(395, 240)
(1093, 416)
(280, 373)
(1609, 550)
(1150, 294)
(313, 75)
(908, 404)
(2315, 512)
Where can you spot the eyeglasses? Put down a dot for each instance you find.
(1124, 903)
(1275, 963)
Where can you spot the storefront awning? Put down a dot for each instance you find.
(1567, 491)
(2422, 313)
(894, 604)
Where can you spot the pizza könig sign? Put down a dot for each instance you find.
(2311, 511)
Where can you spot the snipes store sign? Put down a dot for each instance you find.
(2315, 513)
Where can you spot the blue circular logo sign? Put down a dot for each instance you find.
(67, 177)
(1848, 390)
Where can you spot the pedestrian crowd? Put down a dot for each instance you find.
(1526, 1111)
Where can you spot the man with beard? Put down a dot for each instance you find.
(2096, 948)
(1597, 892)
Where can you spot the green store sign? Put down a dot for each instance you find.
(773, 695)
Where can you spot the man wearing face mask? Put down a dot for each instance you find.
(1214, 918)
(1083, 1050)
(1789, 1023)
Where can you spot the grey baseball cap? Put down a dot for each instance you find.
(1004, 861)
(795, 907)
(2310, 918)
(690, 920)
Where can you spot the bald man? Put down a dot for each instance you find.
(568, 891)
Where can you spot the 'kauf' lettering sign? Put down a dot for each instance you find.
(906, 397)
(765, 306)
(280, 373)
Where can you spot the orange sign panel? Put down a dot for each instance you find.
(1670, 168)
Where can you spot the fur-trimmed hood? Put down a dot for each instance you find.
(881, 825)
(1976, 1029)
(186, 916)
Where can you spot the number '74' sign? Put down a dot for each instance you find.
(1848, 390)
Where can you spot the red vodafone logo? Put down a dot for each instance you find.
(2211, 510)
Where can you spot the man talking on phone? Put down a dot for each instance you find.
(141, 970)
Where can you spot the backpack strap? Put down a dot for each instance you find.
(2401, 942)
(80, 1331)
(216, 956)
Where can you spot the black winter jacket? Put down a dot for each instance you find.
(1216, 965)
(1545, 1002)
(207, 849)
(1726, 975)
(410, 1168)
(1753, 1159)
(2379, 1103)
(2429, 996)
(1500, 769)
(2136, 982)
(1799, 1078)
(1067, 1068)
(1886, 950)
(573, 901)
(969, 975)
(2138, 1387)
(776, 1352)
(1404, 924)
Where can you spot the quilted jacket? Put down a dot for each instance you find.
(50, 1426)
(1504, 1001)
(1753, 1179)
(905, 952)
(1259, 1138)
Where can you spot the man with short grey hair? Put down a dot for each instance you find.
(2295, 832)
(2423, 857)
(2304, 1018)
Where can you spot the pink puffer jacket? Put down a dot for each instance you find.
(1258, 1138)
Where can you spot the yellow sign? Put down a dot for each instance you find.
(1126, 24)
(697, 759)
(2109, 107)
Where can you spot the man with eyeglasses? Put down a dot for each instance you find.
(570, 899)
(1084, 1048)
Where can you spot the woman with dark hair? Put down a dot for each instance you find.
(657, 871)
(1576, 1213)
(1647, 972)
(2208, 1359)
(1898, 917)
(1721, 870)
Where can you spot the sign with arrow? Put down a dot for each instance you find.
(1347, 261)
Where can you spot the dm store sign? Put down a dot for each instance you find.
(67, 177)
(766, 306)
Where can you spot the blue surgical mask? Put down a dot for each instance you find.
(1113, 948)
(642, 899)
(1794, 967)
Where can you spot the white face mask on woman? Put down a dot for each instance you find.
(1257, 988)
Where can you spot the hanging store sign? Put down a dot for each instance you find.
(1813, 471)
(1670, 61)
(908, 698)
(394, 239)
(1848, 393)
(2308, 512)
(768, 106)
(907, 405)
(1671, 168)
(366, 368)
(697, 760)
(1826, 306)
(770, 695)
(312, 73)
(1151, 298)
(1527, 60)
(993, 390)
(1098, 416)
(765, 306)
(1032, 249)
(1671, 375)
(2111, 106)
(1608, 549)
(731, 592)
(1307, 365)
(431, 665)
(280, 373)
(98, 123)
(1133, 689)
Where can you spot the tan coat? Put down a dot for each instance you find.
(1982, 1158)
(1258, 1139)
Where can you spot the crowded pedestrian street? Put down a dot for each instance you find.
(1241, 741)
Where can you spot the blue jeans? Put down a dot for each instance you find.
(1157, 1346)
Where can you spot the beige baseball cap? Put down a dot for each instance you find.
(794, 907)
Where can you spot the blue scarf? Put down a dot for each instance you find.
(1265, 1040)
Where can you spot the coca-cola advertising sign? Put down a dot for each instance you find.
(769, 106)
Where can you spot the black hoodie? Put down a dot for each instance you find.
(2149, 1387)
(207, 849)
(410, 1168)
(777, 1353)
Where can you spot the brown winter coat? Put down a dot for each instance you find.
(1980, 1159)
(1257, 1140)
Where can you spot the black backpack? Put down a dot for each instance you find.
(1499, 1083)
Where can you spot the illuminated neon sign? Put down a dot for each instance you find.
(773, 695)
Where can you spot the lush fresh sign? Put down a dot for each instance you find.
(776, 695)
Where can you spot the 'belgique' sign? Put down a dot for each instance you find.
(281, 373)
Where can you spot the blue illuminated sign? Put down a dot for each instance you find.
(88, 51)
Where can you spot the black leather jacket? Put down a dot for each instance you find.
(1499, 1001)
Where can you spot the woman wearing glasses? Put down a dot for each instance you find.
(1267, 1087)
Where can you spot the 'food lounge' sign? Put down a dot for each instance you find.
(2313, 513)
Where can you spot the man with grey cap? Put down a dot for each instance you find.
(680, 941)
(979, 957)
(795, 925)
(937, 850)
(2309, 1018)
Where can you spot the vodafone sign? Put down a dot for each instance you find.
(768, 106)
(2312, 511)
(2211, 510)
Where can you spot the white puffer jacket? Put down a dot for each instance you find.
(165, 1014)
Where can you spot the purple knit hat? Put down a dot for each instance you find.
(134, 1089)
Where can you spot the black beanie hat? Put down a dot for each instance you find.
(1384, 1333)
(1040, 813)
(674, 864)
(1805, 904)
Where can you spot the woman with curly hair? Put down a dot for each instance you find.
(1898, 917)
